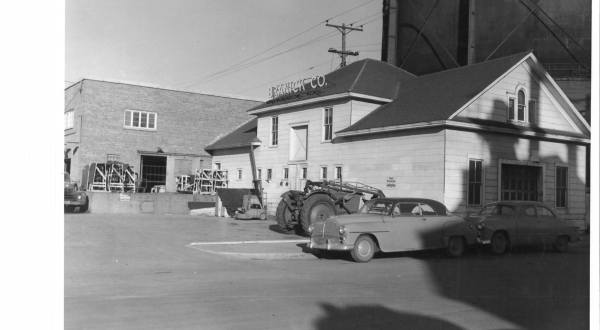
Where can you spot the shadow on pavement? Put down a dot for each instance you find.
(296, 231)
(376, 317)
(531, 287)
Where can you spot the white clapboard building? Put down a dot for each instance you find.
(496, 130)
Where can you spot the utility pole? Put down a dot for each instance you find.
(344, 30)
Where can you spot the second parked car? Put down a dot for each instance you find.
(506, 224)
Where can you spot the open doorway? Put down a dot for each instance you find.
(153, 171)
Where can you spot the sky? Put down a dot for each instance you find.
(226, 47)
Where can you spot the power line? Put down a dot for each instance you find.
(249, 64)
(283, 77)
(242, 62)
(257, 61)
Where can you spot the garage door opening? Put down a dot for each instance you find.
(521, 183)
(153, 171)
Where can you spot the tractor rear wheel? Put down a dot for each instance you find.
(318, 207)
(283, 216)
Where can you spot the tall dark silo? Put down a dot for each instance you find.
(424, 36)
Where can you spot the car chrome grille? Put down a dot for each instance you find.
(70, 196)
(331, 229)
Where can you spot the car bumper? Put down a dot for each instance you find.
(78, 202)
(323, 243)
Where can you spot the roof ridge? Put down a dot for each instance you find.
(162, 88)
(465, 67)
(360, 72)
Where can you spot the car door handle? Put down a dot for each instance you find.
(423, 219)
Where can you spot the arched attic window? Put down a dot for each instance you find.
(519, 110)
(521, 105)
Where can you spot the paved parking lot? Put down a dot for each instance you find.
(192, 272)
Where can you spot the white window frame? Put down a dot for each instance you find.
(566, 167)
(69, 119)
(515, 97)
(323, 177)
(482, 182)
(274, 136)
(285, 177)
(340, 172)
(304, 172)
(129, 124)
(327, 126)
(269, 174)
(259, 174)
(240, 174)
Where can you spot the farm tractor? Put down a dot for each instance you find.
(320, 200)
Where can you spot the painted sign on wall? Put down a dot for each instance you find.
(297, 86)
(390, 182)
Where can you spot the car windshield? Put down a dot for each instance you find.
(377, 207)
(488, 210)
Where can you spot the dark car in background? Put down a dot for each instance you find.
(506, 224)
(75, 199)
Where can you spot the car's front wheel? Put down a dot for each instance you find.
(499, 243)
(364, 249)
(456, 246)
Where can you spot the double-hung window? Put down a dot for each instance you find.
(338, 173)
(286, 173)
(561, 186)
(69, 119)
(324, 172)
(140, 119)
(274, 130)
(519, 109)
(327, 124)
(474, 190)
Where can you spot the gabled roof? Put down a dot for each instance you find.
(368, 77)
(437, 96)
(239, 137)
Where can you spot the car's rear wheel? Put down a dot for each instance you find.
(456, 246)
(561, 244)
(364, 249)
(499, 243)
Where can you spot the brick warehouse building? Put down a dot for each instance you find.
(156, 131)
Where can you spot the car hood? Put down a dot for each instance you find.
(356, 218)
(70, 187)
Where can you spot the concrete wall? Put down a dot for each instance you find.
(186, 122)
(163, 203)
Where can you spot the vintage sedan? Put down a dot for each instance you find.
(391, 225)
(506, 224)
